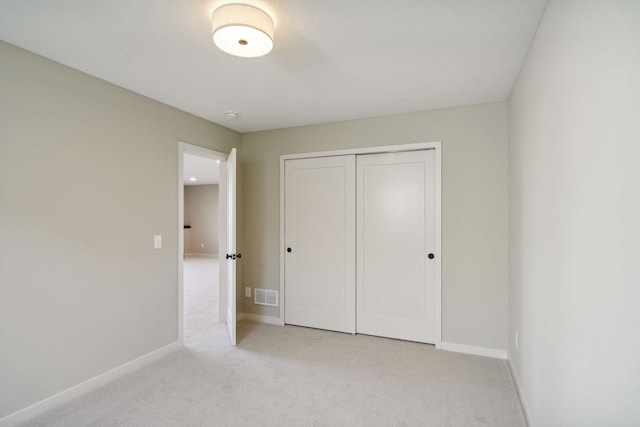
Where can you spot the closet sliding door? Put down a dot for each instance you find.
(360, 242)
(396, 245)
(319, 236)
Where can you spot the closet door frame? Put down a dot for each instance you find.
(437, 146)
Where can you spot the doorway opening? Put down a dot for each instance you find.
(205, 197)
(201, 281)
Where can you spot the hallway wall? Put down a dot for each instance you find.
(201, 213)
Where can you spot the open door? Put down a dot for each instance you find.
(231, 256)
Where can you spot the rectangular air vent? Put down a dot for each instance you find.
(265, 297)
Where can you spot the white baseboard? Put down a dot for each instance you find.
(201, 255)
(78, 390)
(259, 318)
(478, 351)
(523, 403)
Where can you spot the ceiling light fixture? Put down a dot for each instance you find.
(231, 115)
(218, 161)
(242, 30)
(193, 178)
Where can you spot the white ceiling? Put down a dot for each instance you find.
(332, 60)
(206, 171)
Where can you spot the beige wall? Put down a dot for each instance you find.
(474, 207)
(575, 217)
(201, 213)
(88, 174)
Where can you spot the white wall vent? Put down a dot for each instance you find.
(265, 297)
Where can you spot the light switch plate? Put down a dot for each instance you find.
(247, 291)
(157, 241)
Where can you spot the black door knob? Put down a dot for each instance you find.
(228, 256)
(288, 249)
(239, 256)
(431, 256)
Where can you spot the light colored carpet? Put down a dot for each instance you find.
(200, 299)
(292, 376)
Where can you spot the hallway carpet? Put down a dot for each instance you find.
(293, 376)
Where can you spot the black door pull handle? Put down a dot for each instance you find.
(431, 256)
(288, 249)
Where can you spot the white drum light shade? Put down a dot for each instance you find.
(242, 30)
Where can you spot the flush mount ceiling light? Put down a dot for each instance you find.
(242, 30)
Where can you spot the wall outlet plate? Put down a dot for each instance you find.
(247, 291)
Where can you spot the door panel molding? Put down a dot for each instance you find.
(396, 232)
(319, 225)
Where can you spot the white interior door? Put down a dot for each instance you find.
(231, 245)
(396, 245)
(319, 270)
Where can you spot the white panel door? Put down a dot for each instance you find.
(319, 243)
(396, 278)
(231, 245)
